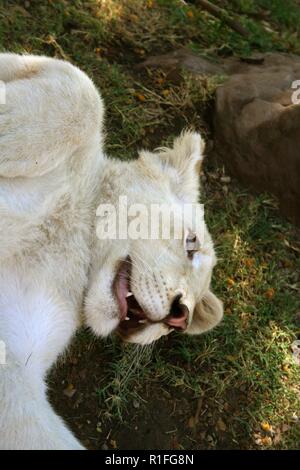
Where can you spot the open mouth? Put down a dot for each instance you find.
(132, 316)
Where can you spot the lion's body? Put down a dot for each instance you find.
(48, 183)
(53, 174)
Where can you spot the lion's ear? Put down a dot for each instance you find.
(207, 314)
(185, 158)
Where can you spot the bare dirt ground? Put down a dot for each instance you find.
(162, 418)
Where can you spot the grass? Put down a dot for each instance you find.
(237, 386)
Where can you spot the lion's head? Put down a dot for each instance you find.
(143, 289)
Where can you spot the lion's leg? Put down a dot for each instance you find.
(35, 327)
(49, 110)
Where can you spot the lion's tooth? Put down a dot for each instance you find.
(129, 294)
(142, 321)
(127, 318)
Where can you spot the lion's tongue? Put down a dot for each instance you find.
(122, 289)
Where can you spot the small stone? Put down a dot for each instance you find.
(225, 179)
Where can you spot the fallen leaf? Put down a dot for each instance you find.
(226, 406)
(285, 367)
(270, 293)
(140, 97)
(265, 426)
(113, 443)
(140, 51)
(231, 358)
(249, 262)
(69, 391)
(134, 18)
(221, 425)
(230, 282)
(266, 441)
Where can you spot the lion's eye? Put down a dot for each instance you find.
(192, 244)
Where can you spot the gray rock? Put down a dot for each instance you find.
(256, 124)
(257, 129)
(182, 59)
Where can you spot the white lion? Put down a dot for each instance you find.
(53, 176)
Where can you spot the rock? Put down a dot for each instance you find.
(257, 129)
(174, 62)
(182, 59)
(225, 179)
(256, 124)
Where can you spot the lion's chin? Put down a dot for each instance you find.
(147, 335)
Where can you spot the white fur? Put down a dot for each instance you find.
(53, 175)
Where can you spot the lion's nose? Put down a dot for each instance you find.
(178, 315)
